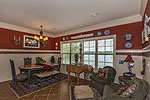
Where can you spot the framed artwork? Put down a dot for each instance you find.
(30, 42)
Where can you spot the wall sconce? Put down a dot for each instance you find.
(16, 41)
(56, 45)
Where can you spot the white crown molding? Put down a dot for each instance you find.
(20, 50)
(143, 7)
(117, 22)
(22, 29)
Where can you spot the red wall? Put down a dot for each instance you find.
(147, 12)
(7, 36)
(134, 28)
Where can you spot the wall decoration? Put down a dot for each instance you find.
(16, 41)
(67, 38)
(99, 33)
(82, 36)
(107, 32)
(128, 37)
(121, 61)
(128, 45)
(63, 38)
(30, 42)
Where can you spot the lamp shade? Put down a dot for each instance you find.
(129, 59)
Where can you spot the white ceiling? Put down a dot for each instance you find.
(64, 15)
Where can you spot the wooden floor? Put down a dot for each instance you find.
(59, 91)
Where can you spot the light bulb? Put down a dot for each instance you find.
(38, 38)
(35, 37)
(46, 38)
(41, 37)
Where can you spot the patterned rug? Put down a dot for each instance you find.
(97, 95)
(22, 90)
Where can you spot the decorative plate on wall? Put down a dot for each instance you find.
(99, 33)
(128, 45)
(63, 38)
(128, 37)
(107, 32)
(67, 38)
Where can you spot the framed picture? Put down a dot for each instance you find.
(30, 42)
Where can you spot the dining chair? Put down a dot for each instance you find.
(39, 60)
(27, 61)
(59, 63)
(16, 77)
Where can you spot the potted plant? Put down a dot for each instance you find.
(52, 60)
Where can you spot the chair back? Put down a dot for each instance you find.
(13, 71)
(39, 60)
(110, 74)
(27, 61)
(59, 63)
(142, 88)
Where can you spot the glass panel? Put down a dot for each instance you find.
(109, 50)
(75, 48)
(101, 42)
(92, 43)
(92, 58)
(73, 58)
(100, 64)
(65, 58)
(86, 44)
(109, 42)
(86, 50)
(101, 50)
(66, 48)
(101, 58)
(92, 50)
(108, 58)
(85, 62)
(86, 57)
(109, 64)
(92, 64)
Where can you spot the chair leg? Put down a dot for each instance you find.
(40, 82)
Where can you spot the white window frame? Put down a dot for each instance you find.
(94, 39)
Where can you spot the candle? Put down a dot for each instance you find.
(19, 38)
(14, 38)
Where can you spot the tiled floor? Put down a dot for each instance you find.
(59, 91)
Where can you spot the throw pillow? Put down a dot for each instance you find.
(89, 68)
(102, 74)
(122, 89)
(129, 92)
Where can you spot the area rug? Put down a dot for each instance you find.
(22, 91)
(97, 95)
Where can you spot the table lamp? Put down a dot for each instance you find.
(129, 60)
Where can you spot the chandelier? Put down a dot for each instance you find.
(42, 39)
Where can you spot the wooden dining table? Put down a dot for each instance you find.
(34, 67)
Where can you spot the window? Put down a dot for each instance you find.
(89, 53)
(66, 53)
(75, 49)
(98, 52)
(105, 53)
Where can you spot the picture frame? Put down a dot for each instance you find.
(30, 42)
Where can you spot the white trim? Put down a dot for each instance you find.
(22, 29)
(112, 23)
(88, 39)
(143, 7)
(20, 50)
(129, 51)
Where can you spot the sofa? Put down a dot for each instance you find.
(99, 83)
(140, 93)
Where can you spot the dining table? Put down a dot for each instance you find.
(33, 67)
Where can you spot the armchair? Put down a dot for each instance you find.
(140, 93)
(99, 83)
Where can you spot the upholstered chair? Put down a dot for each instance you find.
(140, 93)
(99, 83)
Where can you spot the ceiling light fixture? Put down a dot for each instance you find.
(42, 39)
(94, 14)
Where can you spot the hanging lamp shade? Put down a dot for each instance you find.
(129, 59)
